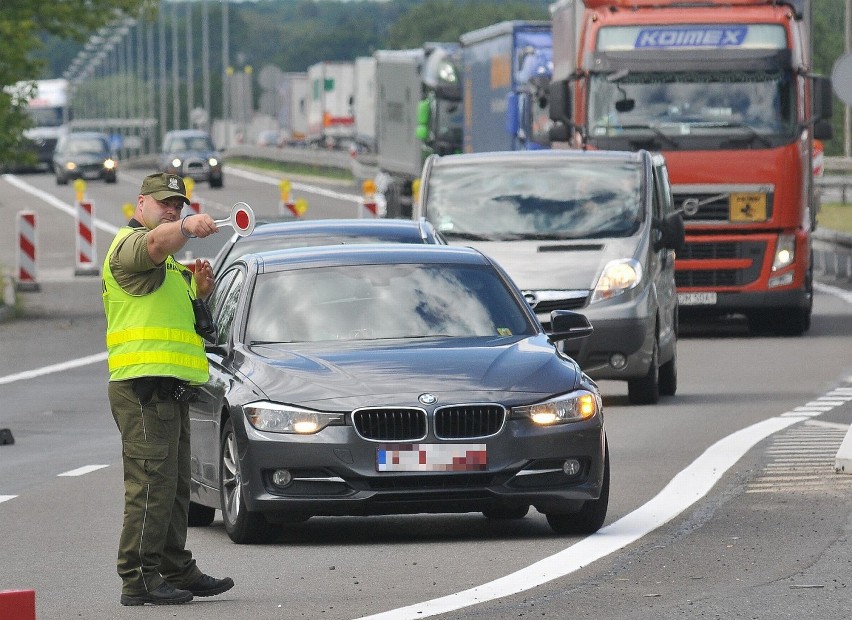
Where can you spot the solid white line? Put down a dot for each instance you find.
(685, 489)
(55, 202)
(45, 370)
(313, 189)
(4, 498)
(82, 471)
(833, 290)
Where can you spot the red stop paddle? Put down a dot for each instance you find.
(241, 219)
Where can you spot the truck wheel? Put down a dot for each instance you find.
(646, 391)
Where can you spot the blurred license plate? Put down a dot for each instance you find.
(431, 457)
(696, 299)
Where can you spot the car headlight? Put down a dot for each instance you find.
(278, 418)
(109, 164)
(617, 277)
(176, 162)
(573, 407)
(213, 162)
(70, 166)
(785, 252)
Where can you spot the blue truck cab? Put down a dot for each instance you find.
(506, 69)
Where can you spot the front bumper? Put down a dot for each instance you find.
(335, 472)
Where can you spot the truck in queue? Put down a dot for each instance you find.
(725, 90)
(49, 110)
(506, 68)
(331, 117)
(418, 112)
(594, 232)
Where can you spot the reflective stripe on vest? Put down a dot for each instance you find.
(154, 334)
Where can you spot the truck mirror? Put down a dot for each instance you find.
(625, 105)
(823, 130)
(513, 121)
(560, 102)
(823, 98)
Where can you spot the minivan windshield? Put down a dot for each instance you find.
(504, 200)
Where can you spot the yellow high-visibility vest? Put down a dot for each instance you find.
(152, 335)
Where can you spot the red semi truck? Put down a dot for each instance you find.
(724, 89)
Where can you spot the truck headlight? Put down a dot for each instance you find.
(573, 407)
(785, 252)
(176, 162)
(617, 277)
(279, 418)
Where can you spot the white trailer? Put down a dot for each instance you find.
(294, 92)
(331, 118)
(365, 102)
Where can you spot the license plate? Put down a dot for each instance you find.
(748, 207)
(431, 457)
(91, 175)
(696, 299)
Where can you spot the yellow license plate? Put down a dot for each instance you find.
(748, 207)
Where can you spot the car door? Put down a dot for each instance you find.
(205, 414)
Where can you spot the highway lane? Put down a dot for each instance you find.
(66, 527)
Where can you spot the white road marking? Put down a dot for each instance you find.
(82, 471)
(4, 498)
(46, 370)
(313, 189)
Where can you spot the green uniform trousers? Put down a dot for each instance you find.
(155, 453)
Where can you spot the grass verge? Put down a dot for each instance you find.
(306, 169)
(835, 216)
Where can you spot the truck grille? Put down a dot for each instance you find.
(712, 206)
(753, 251)
(469, 421)
(390, 424)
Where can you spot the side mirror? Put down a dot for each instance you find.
(567, 325)
(513, 121)
(672, 232)
(823, 98)
(560, 102)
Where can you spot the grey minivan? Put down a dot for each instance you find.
(590, 231)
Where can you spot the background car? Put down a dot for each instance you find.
(190, 153)
(84, 155)
(390, 379)
(301, 233)
(591, 231)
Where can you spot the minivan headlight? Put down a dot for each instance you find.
(279, 418)
(573, 407)
(617, 277)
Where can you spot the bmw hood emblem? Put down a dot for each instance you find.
(428, 399)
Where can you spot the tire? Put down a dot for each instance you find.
(590, 517)
(200, 516)
(242, 525)
(61, 180)
(505, 513)
(217, 182)
(646, 391)
(668, 375)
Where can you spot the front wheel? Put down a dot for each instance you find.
(243, 526)
(646, 391)
(590, 517)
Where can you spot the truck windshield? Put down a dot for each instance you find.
(513, 199)
(723, 109)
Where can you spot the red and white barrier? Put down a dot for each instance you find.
(25, 225)
(86, 253)
(17, 605)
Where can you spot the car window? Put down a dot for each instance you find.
(226, 304)
(383, 301)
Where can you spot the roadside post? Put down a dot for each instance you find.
(194, 206)
(286, 204)
(367, 208)
(85, 210)
(27, 254)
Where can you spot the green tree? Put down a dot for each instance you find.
(23, 24)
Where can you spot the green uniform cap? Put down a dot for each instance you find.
(163, 185)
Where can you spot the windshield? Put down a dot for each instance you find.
(726, 108)
(534, 200)
(383, 301)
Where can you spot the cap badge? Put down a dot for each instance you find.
(173, 183)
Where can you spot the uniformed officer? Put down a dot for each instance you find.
(155, 356)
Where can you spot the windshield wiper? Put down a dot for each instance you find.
(467, 235)
(752, 136)
(663, 137)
